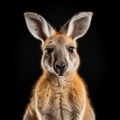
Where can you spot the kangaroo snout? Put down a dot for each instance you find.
(60, 68)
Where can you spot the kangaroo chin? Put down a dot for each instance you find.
(60, 93)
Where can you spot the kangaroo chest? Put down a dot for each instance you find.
(58, 105)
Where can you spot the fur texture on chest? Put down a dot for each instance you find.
(60, 102)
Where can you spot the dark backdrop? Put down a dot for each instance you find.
(92, 49)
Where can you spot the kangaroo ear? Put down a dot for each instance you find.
(78, 25)
(38, 26)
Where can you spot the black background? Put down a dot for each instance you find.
(24, 53)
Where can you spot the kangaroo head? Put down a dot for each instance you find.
(60, 56)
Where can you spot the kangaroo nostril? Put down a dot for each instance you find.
(63, 66)
(60, 66)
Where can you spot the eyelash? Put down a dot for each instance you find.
(49, 50)
(71, 49)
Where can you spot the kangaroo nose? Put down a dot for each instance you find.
(60, 66)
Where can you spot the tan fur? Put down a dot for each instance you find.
(60, 97)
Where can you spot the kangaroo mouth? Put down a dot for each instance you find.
(60, 72)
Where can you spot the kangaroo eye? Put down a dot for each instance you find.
(71, 49)
(49, 50)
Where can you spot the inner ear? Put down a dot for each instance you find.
(78, 25)
(37, 29)
(38, 26)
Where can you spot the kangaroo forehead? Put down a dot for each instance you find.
(60, 40)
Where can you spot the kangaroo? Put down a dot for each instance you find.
(60, 93)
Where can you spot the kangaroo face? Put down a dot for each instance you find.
(60, 55)
(59, 47)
